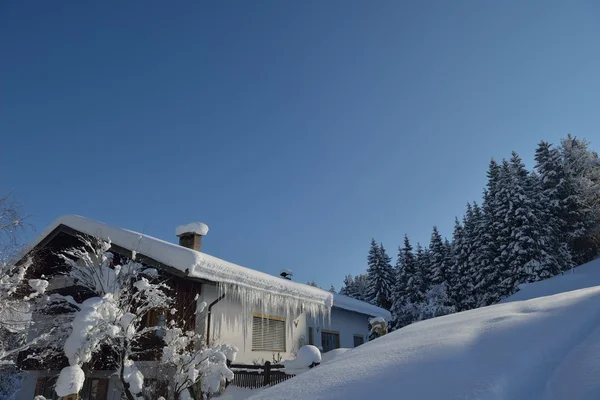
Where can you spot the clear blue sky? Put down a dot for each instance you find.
(296, 130)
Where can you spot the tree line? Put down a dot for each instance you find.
(530, 226)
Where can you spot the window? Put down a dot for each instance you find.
(156, 317)
(155, 388)
(45, 387)
(330, 340)
(94, 389)
(268, 333)
(311, 335)
(358, 340)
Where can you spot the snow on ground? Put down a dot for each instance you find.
(332, 355)
(236, 393)
(545, 348)
(584, 276)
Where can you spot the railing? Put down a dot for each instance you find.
(258, 376)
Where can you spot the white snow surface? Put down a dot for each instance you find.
(526, 348)
(70, 381)
(197, 264)
(333, 354)
(194, 227)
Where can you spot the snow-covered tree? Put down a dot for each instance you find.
(332, 289)
(462, 290)
(436, 303)
(487, 242)
(423, 262)
(408, 289)
(361, 286)
(349, 288)
(18, 298)
(380, 276)
(120, 297)
(438, 260)
(582, 207)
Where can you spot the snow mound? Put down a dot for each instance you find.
(544, 348)
(70, 381)
(307, 356)
(194, 227)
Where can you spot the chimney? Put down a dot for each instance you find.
(190, 235)
(286, 274)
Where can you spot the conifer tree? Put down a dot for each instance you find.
(349, 287)
(582, 179)
(487, 243)
(408, 287)
(439, 268)
(380, 277)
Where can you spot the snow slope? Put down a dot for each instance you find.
(527, 348)
(584, 276)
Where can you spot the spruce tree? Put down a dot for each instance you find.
(462, 290)
(361, 284)
(582, 176)
(423, 261)
(437, 260)
(408, 287)
(528, 253)
(487, 242)
(380, 277)
(349, 287)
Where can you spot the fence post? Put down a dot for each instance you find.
(267, 380)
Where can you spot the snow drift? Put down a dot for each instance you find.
(540, 348)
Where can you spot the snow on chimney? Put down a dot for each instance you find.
(286, 274)
(190, 235)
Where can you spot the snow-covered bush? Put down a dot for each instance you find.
(195, 365)
(19, 297)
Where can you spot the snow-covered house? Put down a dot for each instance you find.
(266, 317)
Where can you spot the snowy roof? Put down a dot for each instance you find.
(351, 304)
(205, 266)
(529, 347)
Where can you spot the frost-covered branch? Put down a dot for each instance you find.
(121, 294)
(195, 364)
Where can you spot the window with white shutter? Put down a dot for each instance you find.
(268, 333)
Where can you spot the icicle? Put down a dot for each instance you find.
(270, 303)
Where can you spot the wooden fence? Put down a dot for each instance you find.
(257, 376)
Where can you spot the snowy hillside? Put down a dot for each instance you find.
(539, 348)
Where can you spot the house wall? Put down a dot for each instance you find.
(346, 323)
(229, 323)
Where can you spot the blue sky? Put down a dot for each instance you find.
(296, 130)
